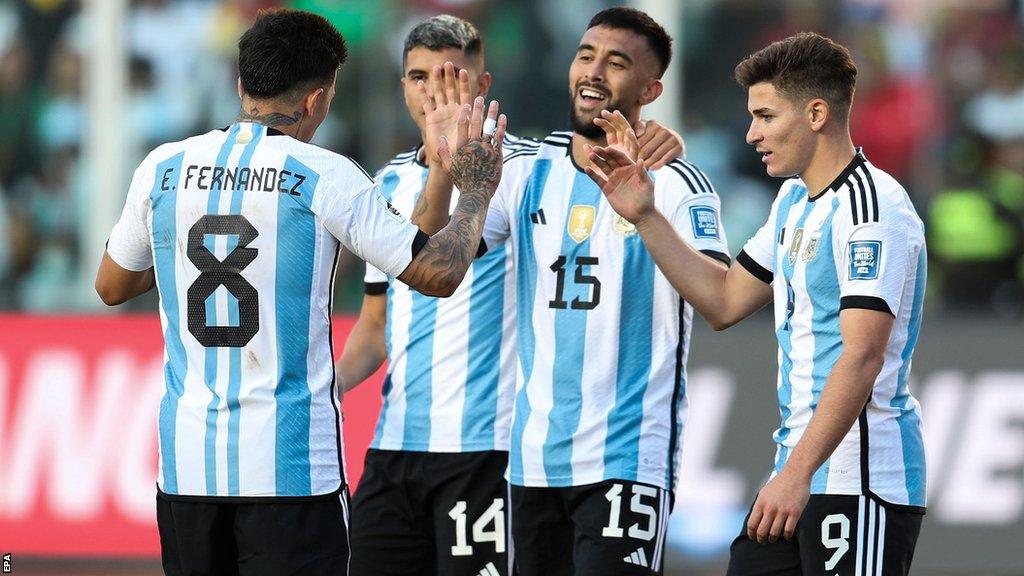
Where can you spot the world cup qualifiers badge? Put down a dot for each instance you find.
(864, 256)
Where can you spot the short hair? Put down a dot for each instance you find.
(622, 18)
(286, 50)
(444, 31)
(802, 67)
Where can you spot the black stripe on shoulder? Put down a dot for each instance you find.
(759, 272)
(854, 199)
(700, 174)
(687, 176)
(521, 145)
(375, 288)
(561, 135)
(874, 192)
(865, 303)
(520, 153)
(361, 169)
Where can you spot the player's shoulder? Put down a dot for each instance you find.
(683, 176)
(402, 162)
(331, 167)
(518, 146)
(868, 194)
(168, 150)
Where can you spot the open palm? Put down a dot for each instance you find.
(442, 100)
(618, 170)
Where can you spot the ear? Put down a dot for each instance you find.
(312, 100)
(483, 84)
(651, 92)
(240, 91)
(817, 112)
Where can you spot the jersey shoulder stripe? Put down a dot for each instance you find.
(693, 176)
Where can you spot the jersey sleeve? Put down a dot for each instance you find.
(697, 213)
(130, 242)
(758, 254)
(500, 213)
(374, 281)
(356, 213)
(872, 260)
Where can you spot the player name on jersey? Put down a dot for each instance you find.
(260, 179)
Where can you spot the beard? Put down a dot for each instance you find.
(586, 127)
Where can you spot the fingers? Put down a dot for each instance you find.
(463, 126)
(615, 157)
(499, 132)
(476, 119)
(444, 151)
(465, 91)
(492, 119)
(596, 175)
(437, 86)
(754, 520)
(599, 162)
(426, 100)
(450, 84)
(790, 527)
(665, 153)
(778, 523)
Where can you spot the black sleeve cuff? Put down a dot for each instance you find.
(718, 256)
(865, 303)
(481, 249)
(419, 242)
(759, 272)
(375, 288)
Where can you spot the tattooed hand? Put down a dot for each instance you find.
(476, 163)
(475, 168)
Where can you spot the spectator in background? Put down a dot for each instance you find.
(17, 110)
(61, 116)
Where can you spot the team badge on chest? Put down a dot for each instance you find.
(623, 226)
(812, 246)
(581, 222)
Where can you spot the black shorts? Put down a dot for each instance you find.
(431, 513)
(307, 536)
(610, 528)
(838, 536)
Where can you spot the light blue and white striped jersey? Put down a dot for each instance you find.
(243, 227)
(602, 335)
(451, 361)
(858, 244)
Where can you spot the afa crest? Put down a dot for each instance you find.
(623, 226)
(581, 222)
(813, 243)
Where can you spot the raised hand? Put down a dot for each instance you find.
(476, 162)
(442, 98)
(659, 145)
(617, 169)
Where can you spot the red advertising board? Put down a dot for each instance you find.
(78, 451)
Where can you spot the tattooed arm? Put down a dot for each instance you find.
(475, 167)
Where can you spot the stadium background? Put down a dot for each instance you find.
(87, 88)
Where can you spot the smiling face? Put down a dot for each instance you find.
(614, 69)
(780, 130)
(421, 60)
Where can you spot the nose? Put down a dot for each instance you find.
(754, 134)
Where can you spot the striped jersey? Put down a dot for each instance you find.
(451, 361)
(243, 227)
(602, 335)
(858, 244)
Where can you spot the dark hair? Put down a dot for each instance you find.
(803, 67)
(622, 18)
(286, 50)
(444, 31)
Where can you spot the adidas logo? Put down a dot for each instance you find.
(489, 570)
(538, 217)
(638, 557)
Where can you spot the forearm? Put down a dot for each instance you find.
(846, 392)
(698, 278)
(441, 264)
(431, 211)
(363, 355)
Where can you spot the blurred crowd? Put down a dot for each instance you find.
(939, 104)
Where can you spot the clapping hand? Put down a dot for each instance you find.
(619, 171)
(477, 157)
(442, 99)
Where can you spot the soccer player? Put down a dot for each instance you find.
(602, 336)
(240, 229)
(432, 498)
(842, 255)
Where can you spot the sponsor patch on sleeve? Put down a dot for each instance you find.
(391, 210)
(705, 222)
(864, 255)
